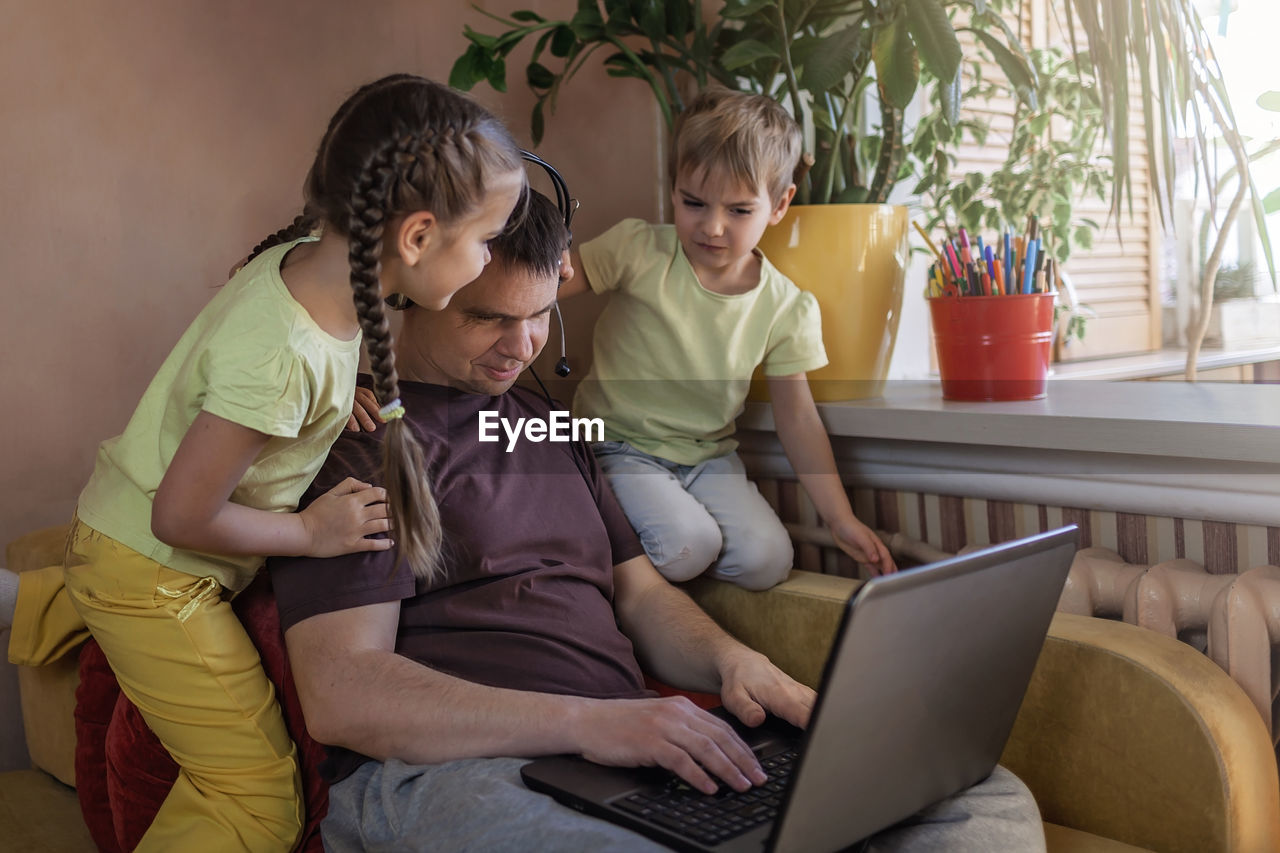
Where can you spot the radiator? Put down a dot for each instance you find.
(1234, 618)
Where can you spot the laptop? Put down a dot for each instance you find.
(917, 700)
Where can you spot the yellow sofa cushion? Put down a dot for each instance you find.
(38, 813)
(1125, 736)
(1062, 839)
(1138, 737)
(48, 692)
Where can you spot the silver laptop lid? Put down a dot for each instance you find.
(921, 689)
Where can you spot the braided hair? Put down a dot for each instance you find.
(398, 145)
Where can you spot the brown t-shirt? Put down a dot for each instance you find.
(531, 538)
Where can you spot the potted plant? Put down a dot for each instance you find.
(1054, 159)
(846, 70)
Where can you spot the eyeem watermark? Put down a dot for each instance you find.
(559, 427)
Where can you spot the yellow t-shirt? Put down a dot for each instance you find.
(253, 356)
(672, 360)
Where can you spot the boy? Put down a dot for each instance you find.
(696, 308)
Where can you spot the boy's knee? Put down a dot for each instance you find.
(759, 560)
(686, 550)
(762, 577)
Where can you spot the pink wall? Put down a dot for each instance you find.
(147, 145)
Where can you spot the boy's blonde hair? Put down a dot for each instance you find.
(750, 137)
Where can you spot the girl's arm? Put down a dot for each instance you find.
(192, 508)
(804, 438)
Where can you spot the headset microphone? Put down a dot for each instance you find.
(562, 366)
(567, 205)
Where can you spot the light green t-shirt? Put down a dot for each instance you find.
(253, 356)
(672, 360)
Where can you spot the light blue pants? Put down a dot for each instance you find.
(694, 518)
(481, 805)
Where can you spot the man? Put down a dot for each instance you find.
(435, 693)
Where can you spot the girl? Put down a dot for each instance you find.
(410, 182)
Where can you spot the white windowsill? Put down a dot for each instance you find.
(1205, 450)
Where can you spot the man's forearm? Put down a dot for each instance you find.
(384, 705)
(675, 641)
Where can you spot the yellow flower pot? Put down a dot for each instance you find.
(853, 258)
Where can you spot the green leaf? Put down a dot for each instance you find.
(618, 22)
(482, 39)
(1019, 74)
(469, 69)
(897, 65)
(1270, 100)
(1271, 202)
(934, 37)
(587, 24)
(540, 45)
(679, 17)
(739, 9)
(949, 95)
(651, 17)
(746, 52)
(528, 15)
(926, 140)
(536, 122)
(562, 41)
(1084, 238)
(496, 74)
(831, 59)
(539, 76)
(620, 65)
(851, 195)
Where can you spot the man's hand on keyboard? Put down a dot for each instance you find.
(670, 732)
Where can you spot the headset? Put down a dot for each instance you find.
(568, 206)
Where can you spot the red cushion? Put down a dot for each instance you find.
(122, 771)
(706, 701)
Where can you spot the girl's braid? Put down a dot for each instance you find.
(366, 220)
(414, 514)
(302, 225)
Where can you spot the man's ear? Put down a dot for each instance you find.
(780, 209)
(414, 234)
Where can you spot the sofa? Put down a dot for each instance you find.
(1128, 739)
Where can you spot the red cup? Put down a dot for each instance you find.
(993, 347)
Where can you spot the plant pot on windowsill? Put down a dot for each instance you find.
(852, 257)
(993, 347)
(1244, 323)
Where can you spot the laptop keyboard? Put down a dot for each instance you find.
(711, 819)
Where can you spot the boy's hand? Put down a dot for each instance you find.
(364, 411)
(860, 542)
(339, 521)
(566, 267)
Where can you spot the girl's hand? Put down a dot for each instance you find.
(364, 411)
(341, 520)
(860, 542)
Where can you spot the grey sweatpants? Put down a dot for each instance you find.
(481, 805)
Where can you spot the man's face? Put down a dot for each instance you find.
(489, 333)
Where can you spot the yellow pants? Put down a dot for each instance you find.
(182, 656)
